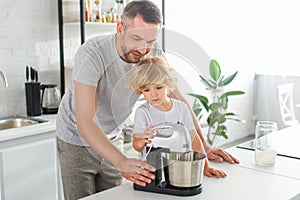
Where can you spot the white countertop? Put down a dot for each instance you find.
(287, 141)
(241, 183)
(284, 166)
(14, 133)
(246, 180)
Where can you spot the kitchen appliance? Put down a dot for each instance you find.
(50, 98)
(179, 170)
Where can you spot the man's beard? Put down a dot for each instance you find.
(126, 52)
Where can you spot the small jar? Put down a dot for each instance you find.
(119, 10)
(108, 17)
(97, 11)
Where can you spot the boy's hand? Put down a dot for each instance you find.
(219, 155)
(140, 140)
(210, 172)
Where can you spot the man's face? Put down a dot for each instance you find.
(137, 39)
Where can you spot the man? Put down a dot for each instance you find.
(98, 101)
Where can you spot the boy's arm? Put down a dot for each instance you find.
(198, 146)
(218, 154)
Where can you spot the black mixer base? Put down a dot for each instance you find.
(166, 189)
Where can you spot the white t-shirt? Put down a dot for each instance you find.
(146, 114)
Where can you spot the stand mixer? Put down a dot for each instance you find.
(159, 156)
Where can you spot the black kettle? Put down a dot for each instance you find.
(50, 98)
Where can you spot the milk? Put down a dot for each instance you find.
(265, 142)
(265, 157)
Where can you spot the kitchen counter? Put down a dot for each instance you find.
(289, 135)
(28, 156)
(244, 181)
(284, 166)
(241, 183)
(15, 133)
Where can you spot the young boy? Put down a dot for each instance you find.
(154, 78)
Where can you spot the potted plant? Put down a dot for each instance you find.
(217, 107)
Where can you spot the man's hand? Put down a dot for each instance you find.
(220, 155)
(137, 171)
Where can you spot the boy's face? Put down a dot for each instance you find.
(155, 94)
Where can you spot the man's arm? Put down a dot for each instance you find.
(132, 169)
(217, 155)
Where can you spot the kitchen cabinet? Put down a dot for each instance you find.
(29, 168)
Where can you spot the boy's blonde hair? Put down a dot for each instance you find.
(152, 70)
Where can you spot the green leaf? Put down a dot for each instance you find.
(221, 129)
(215, 106)
(215, 117)
(231, 93)
(236, 119)
(221, 119)
(212, 118)
(229, 79)
(197, 109)
(224, 101)
(202, 99)
(215, 70)
(221, 132)
(224, 135)
(217, 111)
(208, 83)
(230, 114)
(220, 82)
(213, 84)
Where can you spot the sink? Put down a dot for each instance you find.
(18, 121)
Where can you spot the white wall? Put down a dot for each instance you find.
(277, 51)
(28, 36)
(239, 37)
(225, 33)
(278, 37)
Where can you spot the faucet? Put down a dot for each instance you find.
(4, 78)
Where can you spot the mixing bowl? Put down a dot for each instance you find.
(183, 169)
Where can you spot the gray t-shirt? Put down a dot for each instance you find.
(98, 64)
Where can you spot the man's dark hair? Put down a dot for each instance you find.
(148, 10)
